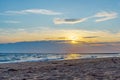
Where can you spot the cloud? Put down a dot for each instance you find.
(99, 17)
(91, 37)
(35, 33)
(12, 22)
(103, 16)
(68, 21)
(33, 11)
(61, 38)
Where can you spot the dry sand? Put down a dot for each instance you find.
(82, 69)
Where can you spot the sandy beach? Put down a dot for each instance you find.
(80, 69)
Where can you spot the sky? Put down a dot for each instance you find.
(78, 21)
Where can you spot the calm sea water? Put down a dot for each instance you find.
(31, 57)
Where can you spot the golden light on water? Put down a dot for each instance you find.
(72, 56)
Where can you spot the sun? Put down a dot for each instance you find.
(73, 39)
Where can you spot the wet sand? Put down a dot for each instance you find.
(81, 69)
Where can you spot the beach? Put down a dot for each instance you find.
(77, 69)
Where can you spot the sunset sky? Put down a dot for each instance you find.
(89, 21)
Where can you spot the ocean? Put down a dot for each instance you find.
(33, 57)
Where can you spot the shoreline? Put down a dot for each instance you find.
(79, 69)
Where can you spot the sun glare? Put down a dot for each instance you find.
(73, 39)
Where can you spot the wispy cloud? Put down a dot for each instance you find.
(103, 16)
(12, 22)
(99, 17)
(33, 11)
(91, 37)
(68, 21)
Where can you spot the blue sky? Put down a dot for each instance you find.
(51, 19)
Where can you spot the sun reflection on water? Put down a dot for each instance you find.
(72, 56)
